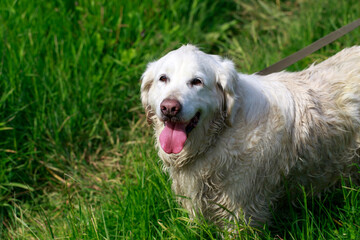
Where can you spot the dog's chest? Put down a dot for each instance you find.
(219, 178)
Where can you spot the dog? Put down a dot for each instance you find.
(235, 144)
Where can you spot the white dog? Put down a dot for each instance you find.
(231, 142)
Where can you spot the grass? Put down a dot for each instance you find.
(76, 156)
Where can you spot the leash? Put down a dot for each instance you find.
(293, 58)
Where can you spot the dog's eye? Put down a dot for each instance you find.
(163, 78)
(196, 82)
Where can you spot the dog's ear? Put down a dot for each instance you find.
(147, 80)
(228, 80)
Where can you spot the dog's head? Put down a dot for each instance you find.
(183, 91)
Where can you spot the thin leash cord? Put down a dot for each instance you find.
(293, 58)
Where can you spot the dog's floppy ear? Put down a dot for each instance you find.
(228, 80)
(147, 80)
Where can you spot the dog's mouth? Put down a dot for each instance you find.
(173, 136)
(193, 122)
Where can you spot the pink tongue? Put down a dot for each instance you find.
(173, 137)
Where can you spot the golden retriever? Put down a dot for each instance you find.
(231, 142)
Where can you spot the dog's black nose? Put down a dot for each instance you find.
(170, 107)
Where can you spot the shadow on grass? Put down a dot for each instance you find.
(332, 215)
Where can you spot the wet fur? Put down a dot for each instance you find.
(301, 127)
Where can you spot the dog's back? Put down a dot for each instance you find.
(326, 133)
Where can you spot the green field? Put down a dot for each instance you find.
(77, 159)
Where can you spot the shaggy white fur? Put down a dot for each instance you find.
(231, 141)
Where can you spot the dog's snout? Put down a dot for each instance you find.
(170, 107)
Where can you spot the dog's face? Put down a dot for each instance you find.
(183, 91)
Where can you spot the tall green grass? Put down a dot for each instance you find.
(69, 78)
(76, 157)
